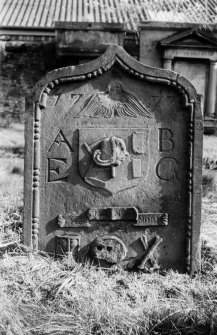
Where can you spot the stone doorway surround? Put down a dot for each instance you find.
(202, 46)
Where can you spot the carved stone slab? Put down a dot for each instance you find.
(113, 158)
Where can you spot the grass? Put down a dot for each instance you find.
(40, 296)
(209, 199)
(210, 149)
(12, 136)
(46, 298)
(11, 198)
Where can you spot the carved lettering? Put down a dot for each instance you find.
(112, 214)
(109, 162)
(54, 169)
(160, 99)
(59, 158)
(56, 97)
(73, 220)
(138, 142)
(166, 142)
(151, 219)
(68, 245)
(156, 99)
(60, 138)
(75, 98)
(167, 169)
(137, 168)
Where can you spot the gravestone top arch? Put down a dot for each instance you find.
(113, 165)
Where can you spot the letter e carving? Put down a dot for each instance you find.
(59, 158)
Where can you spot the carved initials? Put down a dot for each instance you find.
(54, 167)
(59, 158)
(166, 142)
(167, 168)
(137, 168)
(138, 142)
(60, 139)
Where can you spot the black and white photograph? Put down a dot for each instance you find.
(108, 167)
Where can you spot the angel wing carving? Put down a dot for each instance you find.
(114, 102)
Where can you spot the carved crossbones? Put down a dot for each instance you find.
(148, 255)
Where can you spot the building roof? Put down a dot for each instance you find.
(44, 13)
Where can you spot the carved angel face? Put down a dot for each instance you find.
(115, 87)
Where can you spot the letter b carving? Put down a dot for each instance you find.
(166, 142)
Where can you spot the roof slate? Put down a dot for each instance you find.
(44, 13)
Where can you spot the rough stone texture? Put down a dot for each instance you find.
(87, 38)
(112, 137)
(24, 59)
(22, 64)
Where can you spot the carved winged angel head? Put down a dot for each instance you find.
(115, 101)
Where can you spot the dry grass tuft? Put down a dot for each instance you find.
(46, 298)
(209, 149)
(12, 136)
(209, 200)
(11, 199)
(209, 183)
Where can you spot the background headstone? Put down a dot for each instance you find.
(113, 165)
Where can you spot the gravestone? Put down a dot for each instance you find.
(113, 165)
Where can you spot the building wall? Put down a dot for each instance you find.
(196, 70)
(24, 59)
(150, 53)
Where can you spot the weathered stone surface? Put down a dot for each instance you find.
(22, 65)
(115, 162)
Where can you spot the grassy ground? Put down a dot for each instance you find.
(39, 296)
(12, 136)
(209, 199)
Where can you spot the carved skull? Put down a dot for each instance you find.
(108, 248)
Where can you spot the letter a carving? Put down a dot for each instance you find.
(59, 158)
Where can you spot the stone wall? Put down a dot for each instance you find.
(24, 59)
(21, 66)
